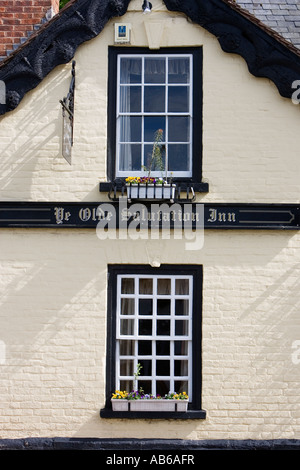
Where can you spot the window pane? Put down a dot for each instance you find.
(127, 286)
(151, 126)
(130, 99)
(127, 307)
(179, 129)
(126, 327)
(145, 348)
(163, 327)
(145, 385)
(163, 307)
(146, 286)
(126, 385)
(155, 70)
(145, 307)
(146, 369)
(181, 386)
(181, 327)
(145, 327)
(162, 348)
(154, 99)
(179, 70)
(181, 368)
(162, 368)
(181, 307)
(178, 157)
(130, 157)
(126, 348)
(163, 286)
(130, 129)
(131, 70)
(182, 287)
(181, 348)
(162, 387)
(126, 367)
(178, 99)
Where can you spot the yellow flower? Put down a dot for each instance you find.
(118, 394)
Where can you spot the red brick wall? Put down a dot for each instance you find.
(18, 17)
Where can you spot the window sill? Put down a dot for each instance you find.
(190, 414)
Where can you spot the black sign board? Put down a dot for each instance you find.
(154, 215)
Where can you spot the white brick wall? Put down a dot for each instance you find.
(53, 323)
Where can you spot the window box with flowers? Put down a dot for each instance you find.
(138, 401)
(149, 188)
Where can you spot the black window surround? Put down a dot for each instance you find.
(194, 409)
(196, 179)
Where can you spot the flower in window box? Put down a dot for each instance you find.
(119, 395)
(143, 180)
(119, 401)
(177, 396)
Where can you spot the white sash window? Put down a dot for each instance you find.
(154, 92)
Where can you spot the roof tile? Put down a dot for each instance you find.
(281, 15)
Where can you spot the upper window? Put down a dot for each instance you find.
(151, 92)
(154, 92)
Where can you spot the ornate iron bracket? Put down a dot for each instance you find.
(67, 104)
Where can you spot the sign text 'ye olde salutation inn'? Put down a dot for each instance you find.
(149, 215)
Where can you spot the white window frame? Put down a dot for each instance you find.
(175, 174)
(154, 337)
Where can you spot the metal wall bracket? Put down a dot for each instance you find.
(67, 104)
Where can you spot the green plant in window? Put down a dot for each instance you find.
(155, 163)
(156, 160)
(137, 373)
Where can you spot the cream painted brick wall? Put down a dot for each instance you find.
(250, 133)
(53, 284)
(53, 324)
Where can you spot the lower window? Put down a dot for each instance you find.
(154, 325)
